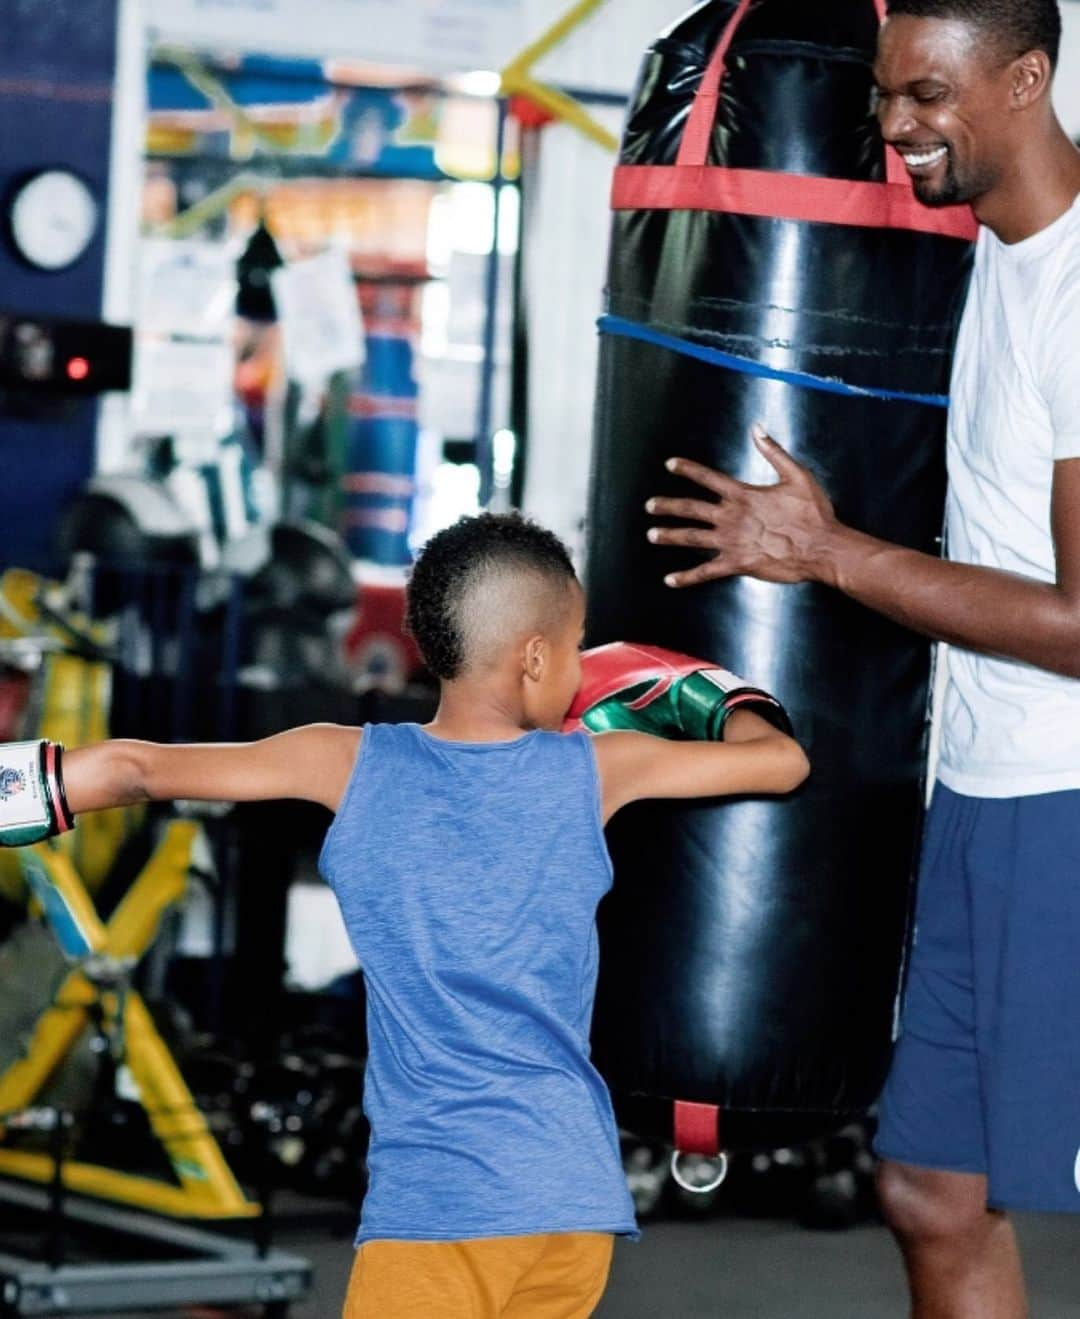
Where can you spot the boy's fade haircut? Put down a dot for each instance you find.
(469, 586)
(1018, 26)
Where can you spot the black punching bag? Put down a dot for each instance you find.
(769, 262)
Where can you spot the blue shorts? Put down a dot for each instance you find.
(986, 1075)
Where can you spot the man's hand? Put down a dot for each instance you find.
(788, 532)
(777, 533)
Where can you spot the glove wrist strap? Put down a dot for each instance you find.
(33, 804)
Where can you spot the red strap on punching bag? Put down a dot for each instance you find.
(697, 1129)
(694, 147)
(785, 197)
(691, 184)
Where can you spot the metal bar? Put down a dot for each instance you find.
(184, 675)
(484, 455)
(202, 1267)
(529, 140)
(556, 34)
(112, 1289)
(228, 674)
(157, 683)
(54, 1239)
(116, 1218)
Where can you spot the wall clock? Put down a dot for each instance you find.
(53, 217)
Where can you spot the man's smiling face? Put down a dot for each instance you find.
(943, 100)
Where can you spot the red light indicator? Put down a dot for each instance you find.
(78, 368)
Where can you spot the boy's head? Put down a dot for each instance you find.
(494, 590)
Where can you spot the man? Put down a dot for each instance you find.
(981, 1112)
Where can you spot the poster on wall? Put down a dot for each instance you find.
(187, 287)
(319, 314)
(183, 338)
(183, 388)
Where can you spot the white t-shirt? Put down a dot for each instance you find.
(1009, 729)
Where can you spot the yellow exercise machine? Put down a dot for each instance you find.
(71, 687)
(103, 958)
(73, 703)
(157, 1261)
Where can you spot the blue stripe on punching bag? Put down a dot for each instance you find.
(618, 327)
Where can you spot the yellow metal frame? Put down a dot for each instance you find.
(72, 694)
(517, 79)
(207, 1188)
(61, 875)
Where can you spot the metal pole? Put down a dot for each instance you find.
(484, 455)
(228, 674)
(54, 1248)
(529, 148)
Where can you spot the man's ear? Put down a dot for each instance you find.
(536, 657)
(1031, 77)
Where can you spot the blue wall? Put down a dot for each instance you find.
(57, 60)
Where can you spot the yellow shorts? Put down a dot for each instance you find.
(559, 1276)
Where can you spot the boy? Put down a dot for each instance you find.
(468, 858)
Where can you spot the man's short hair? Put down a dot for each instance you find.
(478, 582)
(1018, 25)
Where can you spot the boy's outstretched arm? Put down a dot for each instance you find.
(310, 764)
(754, 758)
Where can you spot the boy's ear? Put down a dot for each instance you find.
(536, 657)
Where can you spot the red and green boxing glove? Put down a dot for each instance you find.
(33, 806)
(647, 689)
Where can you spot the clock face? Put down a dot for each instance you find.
(53, 217)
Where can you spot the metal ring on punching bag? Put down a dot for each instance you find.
(722, 1168)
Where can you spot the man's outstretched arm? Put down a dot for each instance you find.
(788, 532)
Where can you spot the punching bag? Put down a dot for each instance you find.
(769, 262)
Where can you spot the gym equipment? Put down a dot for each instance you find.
(103, 958)
(379, 484)
(647, 1172)
(145, 1263)
(309, 1101)
(308, 568)
(127, 520)
(266, 643)
(136, 1107)
(97, 988)
(769, 262)
(842, 1193)
(67, 660)
(296, 611)
(148, 1262)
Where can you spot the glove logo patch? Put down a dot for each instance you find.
(656, 690)
(12, 782)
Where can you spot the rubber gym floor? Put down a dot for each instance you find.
(724, 1268)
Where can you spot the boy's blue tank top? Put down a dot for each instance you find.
(469, 875)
